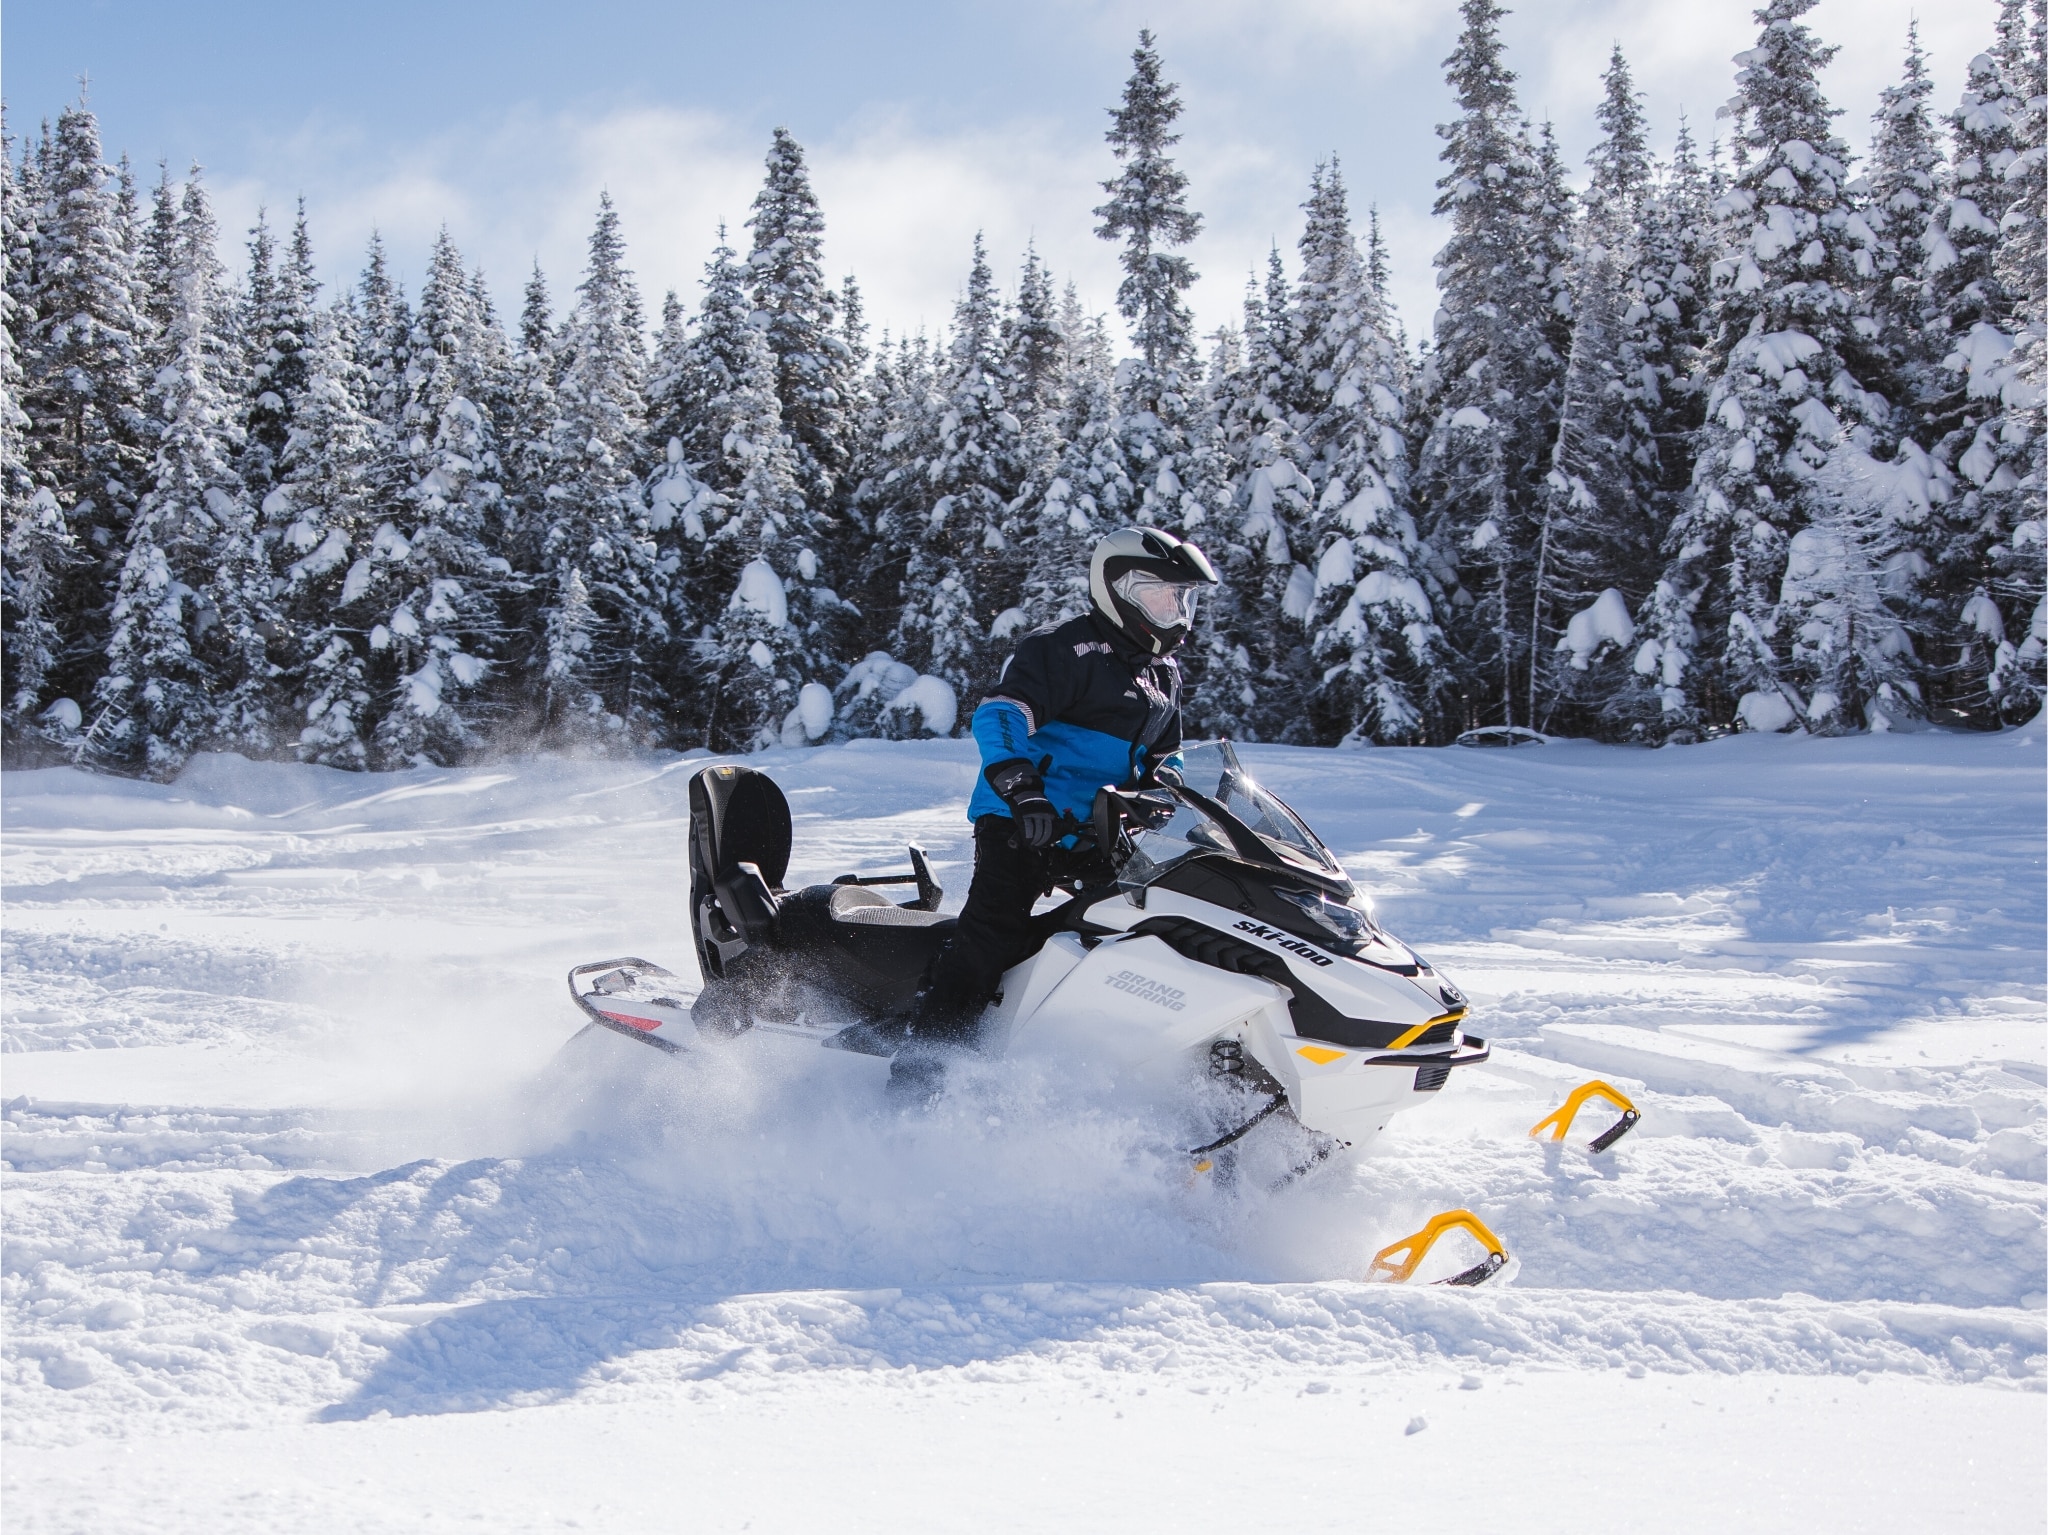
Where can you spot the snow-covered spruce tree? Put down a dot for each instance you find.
(674, 496)
(429, 577)
(156, 257)
(1795, 341)
(1553, 230)
(383, 337)
(186, 663)
(669, 402)
(889, 502)
(1969, 328)
(961, 578)
(1596, 535)
(321, 517)
(36, 545)
(606, 607)
(1254, 654)
(799, 317)
(1490, 384)
(1668, 326)
(277, 315)
(770, 622)
(1160, 426)
(264, 422)
(1673, 260)
(1034, 351)
(1090, 492)
(1900, 190)
(84, 374)
(2014, 492)
(526, 452)
(1227, 697)
(1241, 628)
(1379, 655)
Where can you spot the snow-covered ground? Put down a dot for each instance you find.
(309, 1226)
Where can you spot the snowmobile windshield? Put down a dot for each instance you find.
(1215, 775)
(1212, 769)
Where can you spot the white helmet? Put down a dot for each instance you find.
(1144, 580)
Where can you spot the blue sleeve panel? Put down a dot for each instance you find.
(1083, 760)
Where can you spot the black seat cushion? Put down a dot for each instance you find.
(860, 944)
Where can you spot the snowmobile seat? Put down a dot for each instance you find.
(877, 951)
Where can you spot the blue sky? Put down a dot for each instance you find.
(924, 121)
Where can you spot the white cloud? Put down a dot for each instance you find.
(1270, 87)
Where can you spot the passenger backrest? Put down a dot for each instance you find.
(738, 816)
(739, 854)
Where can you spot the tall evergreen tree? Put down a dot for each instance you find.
(1161, 415)
(960, 581)
(84, 374)
(156, 293)
(36, 544)
(1969, 326)
(799, 310)
(186, 662)
(1377, 648)
(1788, 401)
(1596, 535)
(607, 611)
(890, 502)
(771, 623)
(1090, 491)
(431, 576)
(322, 517)
(1906, 165)
(383, 337)
(1034, 351)
(527, 436)
(277, 317)
(2017, 680)
(1492, 375)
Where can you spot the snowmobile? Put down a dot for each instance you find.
(1204, 931)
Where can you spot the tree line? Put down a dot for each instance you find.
(1742, 437)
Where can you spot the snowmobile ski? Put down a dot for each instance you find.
(1397, 1262)
(1559, 1120)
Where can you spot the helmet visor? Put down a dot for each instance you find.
(1165, 604)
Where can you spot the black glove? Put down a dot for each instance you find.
(1021, 787)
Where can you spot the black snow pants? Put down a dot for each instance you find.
(994, 934)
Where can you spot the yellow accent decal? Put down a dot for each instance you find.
(1420, 1029)
(1319, 1055)
(1417, 1246)
(1560, 1119)
(1204, 1165)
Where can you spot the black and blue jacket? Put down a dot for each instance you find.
(1078, 693)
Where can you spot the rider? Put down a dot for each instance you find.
(1088, 702)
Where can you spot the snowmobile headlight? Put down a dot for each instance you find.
(1347, 924)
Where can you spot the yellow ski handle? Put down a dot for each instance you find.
(1559, 1120)
(1417, 1248)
